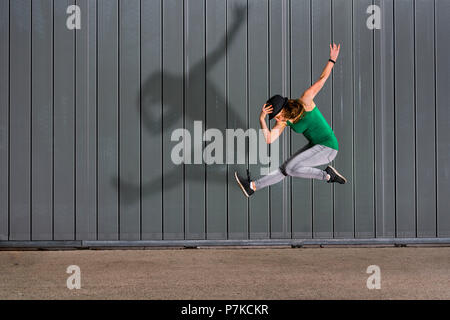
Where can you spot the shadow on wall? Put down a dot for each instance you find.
(152, 100)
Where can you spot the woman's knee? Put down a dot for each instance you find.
(283, 169)
(332, 156)
(287, 169)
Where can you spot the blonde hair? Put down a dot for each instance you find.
(294, 109)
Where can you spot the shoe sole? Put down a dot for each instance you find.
(240, 185)
(338, 174)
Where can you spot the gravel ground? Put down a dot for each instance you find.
(228, 273)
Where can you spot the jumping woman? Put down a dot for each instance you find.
(303, 116)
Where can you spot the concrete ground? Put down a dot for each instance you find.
(228, 273)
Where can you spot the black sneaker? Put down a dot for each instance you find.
(244, 184)
(335, 176)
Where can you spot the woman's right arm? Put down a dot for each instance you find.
(270, 136)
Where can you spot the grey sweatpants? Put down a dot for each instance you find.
(301, 164)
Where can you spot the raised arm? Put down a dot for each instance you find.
(312, 91)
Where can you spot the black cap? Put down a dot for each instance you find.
(278, 102)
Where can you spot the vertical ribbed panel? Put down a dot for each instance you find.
(87, 118)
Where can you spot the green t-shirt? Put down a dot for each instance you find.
(316, 129)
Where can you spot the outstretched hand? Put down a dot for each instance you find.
(334, 51)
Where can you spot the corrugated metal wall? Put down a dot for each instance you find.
(86, 117)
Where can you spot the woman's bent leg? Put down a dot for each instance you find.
(308, 173)
(277, 175)
(302, 164)
(272, 178)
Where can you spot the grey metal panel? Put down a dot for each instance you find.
(151, 116)
(86, 123)
(322, 191)
(20, 120)
(384, 122)
(300, 16)
(220, 75)
(236, 112)
(442, 15)
(363, 122)
(425, 119)
(129, 120)
(194, 110)
(41, 244)
(216, 115)
(4, 119)
(257, 94)
(294, 243)
(107, 125)
(63, 116)
(173, 96)
(279, 83)
(343, 118)
(300, 81)
(42, 120)
(404, 117)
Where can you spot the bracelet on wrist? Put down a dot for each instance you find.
(331, 60)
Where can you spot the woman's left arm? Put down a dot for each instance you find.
(276, 131)
(270, 135)
(310, 93)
